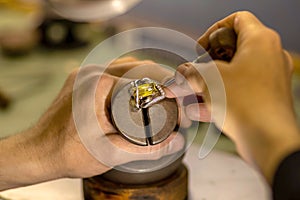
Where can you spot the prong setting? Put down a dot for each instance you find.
(144, 93)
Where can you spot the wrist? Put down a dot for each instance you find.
(278, 148)
(269, 142)
(26, 159)
(272, 145)
(45, 146)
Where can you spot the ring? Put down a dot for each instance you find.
(144, 93)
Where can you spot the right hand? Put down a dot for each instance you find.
(260, 117)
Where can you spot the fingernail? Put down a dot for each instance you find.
(192, 112)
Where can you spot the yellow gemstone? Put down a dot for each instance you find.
(147, 89)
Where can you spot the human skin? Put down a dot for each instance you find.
(259, 113)
(259, 117)
(52, 149)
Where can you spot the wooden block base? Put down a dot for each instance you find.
(172, 188)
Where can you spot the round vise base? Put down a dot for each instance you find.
(174, 187)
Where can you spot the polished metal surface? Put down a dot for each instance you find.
(143, 127)
(145, 177)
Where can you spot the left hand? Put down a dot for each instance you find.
(52, 148)
(79, 162)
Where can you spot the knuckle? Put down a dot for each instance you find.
(270, 36)
(105, 77)
(74, 72)
(245, 13)
(72, 76)
(191, 73)
(273, 35)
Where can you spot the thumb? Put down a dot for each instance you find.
(126, 152)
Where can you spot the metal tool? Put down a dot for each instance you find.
(222, 46)
(139, 108)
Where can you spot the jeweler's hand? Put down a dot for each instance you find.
(52, 148)
(79, 161)
(259, 111)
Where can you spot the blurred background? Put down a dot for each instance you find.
(193, 17)
(41, 42)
